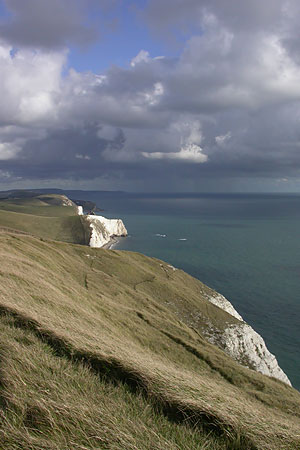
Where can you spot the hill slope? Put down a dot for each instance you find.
(94, 356)
(50, 216)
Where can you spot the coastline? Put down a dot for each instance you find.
(240, 342)
(109, 245)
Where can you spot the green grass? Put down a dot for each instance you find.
(46, 217)
(104, 350)
(40, 205)
(67, 229)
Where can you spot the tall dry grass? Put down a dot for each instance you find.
(115, 316)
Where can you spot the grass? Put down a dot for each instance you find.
(105, 350)
(44, 216)
(50, 205)
(54, 403)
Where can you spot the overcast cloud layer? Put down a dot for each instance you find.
(223, 114)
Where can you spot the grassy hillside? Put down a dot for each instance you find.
(100, 350)
(48, 216)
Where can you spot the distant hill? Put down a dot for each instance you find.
(50, 216)
(101, 349)
(76, 196)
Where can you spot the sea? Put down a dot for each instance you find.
(245, 246)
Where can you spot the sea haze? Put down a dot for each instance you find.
(246, 247)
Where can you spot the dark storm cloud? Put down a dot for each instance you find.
(72, 152)
(46, 23)
(234, 14)
(227, 107)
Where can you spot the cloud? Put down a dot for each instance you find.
(188, 15)
(8, 150)
(143, 57)
(223, 139)
(107, 132)
(190, 153)
(189, 137)
(226, 107)
(29, 84)
(46, 24)
(79, 156)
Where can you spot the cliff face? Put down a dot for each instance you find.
(103, 230)
(243, 344)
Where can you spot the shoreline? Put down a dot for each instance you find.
(111, 243)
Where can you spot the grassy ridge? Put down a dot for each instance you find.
(87, 328)
(51, 205)
(46, 216)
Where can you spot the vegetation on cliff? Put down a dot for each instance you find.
(49, 216)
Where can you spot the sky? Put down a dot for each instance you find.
(150, 95)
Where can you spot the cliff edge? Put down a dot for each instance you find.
(103, 230)
(243, 344)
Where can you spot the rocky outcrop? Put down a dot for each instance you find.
(248, 347)
(243, 344)
(65, 201)
(222, 302)
(104, 230)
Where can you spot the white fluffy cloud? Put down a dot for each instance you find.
(188, 153)
(143, 57)
(189, 138)
(8, 150)
(29, 85)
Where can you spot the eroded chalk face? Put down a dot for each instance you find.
(244, 344)
(103, 230)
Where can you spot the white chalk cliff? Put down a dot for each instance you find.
(103, 230)
(243, 344)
